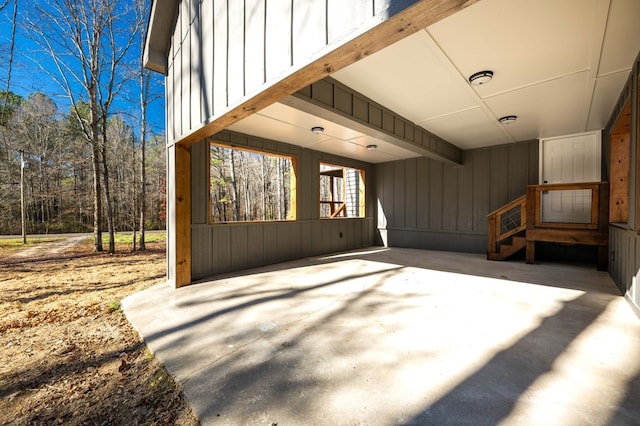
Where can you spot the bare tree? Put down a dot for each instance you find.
(144, 77)
(89, 46)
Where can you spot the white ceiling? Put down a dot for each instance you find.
(558, 65)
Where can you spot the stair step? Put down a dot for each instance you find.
(508, 249)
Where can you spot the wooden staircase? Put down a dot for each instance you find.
(519, 224)
(508, 248)
(507, 227)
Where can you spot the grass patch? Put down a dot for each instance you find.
(114, 306)
(125, 238)
(17, 242)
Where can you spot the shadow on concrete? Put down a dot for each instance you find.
(489, 396)
(319, 366)
(284, 293)
(551, 274)
(628, 411)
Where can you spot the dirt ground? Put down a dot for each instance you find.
(67, 353)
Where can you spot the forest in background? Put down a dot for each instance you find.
(78, 151)
(249, 186)
(57, 178)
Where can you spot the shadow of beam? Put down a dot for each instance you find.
(628, 411)
(265, 299)
(489, 396)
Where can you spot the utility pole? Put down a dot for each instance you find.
(24, 216)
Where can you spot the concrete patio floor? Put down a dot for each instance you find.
(399, 336)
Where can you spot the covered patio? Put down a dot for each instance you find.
(399, 336)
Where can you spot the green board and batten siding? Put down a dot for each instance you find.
(250, 46)
(224, 60)
(218, 248)
(423, 203)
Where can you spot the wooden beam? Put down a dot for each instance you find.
(412, 19)
(491, 237)
(531, 252)
(568, 236)
(182, 227)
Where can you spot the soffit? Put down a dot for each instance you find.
(558, 65)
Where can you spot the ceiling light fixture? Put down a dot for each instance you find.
(508, 119)
(480, 78)
(317, 129)
(372, 147)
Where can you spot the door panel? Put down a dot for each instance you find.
(569, 159)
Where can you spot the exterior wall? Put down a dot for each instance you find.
(224, 52)
(424, 203)
(228, 59)
(218, 248)
(624, 263)
(624, 242)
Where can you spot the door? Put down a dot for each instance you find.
(569, 159)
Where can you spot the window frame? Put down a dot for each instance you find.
(361, 202)
(292, 213)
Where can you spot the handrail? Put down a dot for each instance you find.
(495, 234)
(593, 232)
(599, 205)
(509, 206)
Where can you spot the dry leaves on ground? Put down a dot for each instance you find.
(68, 354)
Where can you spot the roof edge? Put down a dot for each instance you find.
(162, 22)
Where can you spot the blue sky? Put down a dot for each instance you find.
(27, 76)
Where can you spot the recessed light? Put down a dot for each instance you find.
(480, 78)
(372, 147)
(508, 119)
(317, 129)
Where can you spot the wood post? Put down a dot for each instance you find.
(178, 215)
(492, 235)
(531, 252)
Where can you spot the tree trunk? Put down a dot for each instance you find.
(264, 190)
(234, 188)
(133, 194)
(283, 192)
(278, 190)
(107, 192)
(97, 198)
(144, 94)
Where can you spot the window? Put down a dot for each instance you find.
(342, 191)
(247, 185)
